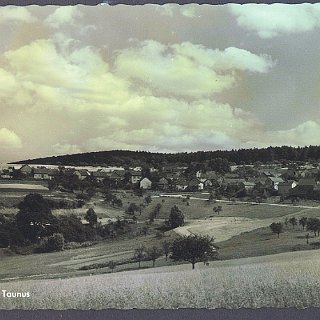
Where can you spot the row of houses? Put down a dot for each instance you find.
(174, 178)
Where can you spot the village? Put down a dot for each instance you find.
(258, 182)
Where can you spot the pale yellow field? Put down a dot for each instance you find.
(283, 280)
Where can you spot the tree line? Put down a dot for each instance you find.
(134, 158)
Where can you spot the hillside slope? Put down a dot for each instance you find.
(282, 280)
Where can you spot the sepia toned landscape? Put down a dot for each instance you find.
(159, 157)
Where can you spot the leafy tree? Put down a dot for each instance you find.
(148, 199)
(217, 209)
(303, 222)
(140, 254)
(211, 198)
(176, 218)
(313, 224)
(152, 216)
(132, 208)
(157, 208)
(52, 243)
(145, 230)
(166, 246)
(112, 265)
(293, 222)
(286, 221)
(193, 249)
(153, 254)
(74, 231)
(10, 234)
(34, 218)
(116, 202)
(91, 217)
(276, 227)
(108, 196)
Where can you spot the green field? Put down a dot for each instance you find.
(284, 280)
(199, 209)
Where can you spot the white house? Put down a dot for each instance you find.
(145, 183)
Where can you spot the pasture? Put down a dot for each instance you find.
(200, 209)
(282, 280)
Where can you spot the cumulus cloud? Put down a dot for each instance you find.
(306, 133)
(187, 69)
(16, 15)
(273, 20)
(62, 16)
(151, 96)
(75, 78)
(9, 139)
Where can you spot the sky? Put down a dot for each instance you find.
(158, 78)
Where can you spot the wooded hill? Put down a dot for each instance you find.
(144, 158)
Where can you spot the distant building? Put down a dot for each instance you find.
(145, 183)
(247, 185)
(26, 169)
(163, 184)
(41, 174)
(273, 182)
(81, 174)
(136, 176)
(285, 187)
(195, 184)
(181, 184)
(100, 175)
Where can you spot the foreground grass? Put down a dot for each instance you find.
(285, 280)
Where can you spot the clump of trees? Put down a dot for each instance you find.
(35, 225)
(313, 224)
(35, 219)
(52, 243)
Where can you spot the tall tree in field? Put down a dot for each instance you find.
(313, 224)
(276, 227)
(34, 218)
(112, 265)
(132, 208)
(166, 246)
(293, 222)
(217, 209)
(91, 217)
(153, 254)
(176, 218)
(140, 255)
(303, 222)
(193, 249)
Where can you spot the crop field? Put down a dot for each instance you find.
(222, 228)
(283, 280)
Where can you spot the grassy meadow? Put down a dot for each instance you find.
(200, 209)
